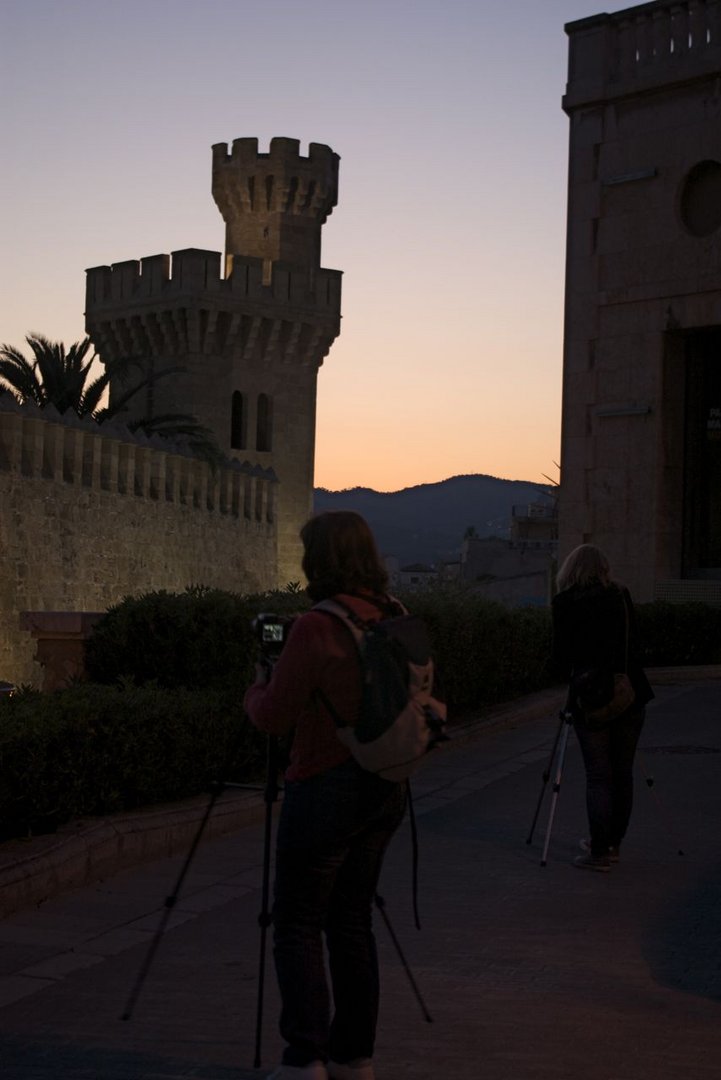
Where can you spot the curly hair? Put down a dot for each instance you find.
(340, 555)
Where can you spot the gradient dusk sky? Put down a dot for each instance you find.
(450, 225)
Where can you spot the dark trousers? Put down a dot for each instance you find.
(608, 757)
(332, 836)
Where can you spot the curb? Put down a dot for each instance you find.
(84, 852)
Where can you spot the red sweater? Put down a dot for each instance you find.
(319, 654)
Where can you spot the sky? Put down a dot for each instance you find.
(450, 223)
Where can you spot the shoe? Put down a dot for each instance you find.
(359, 1069)
(592, 862)
(316, 1070)
(614, 853)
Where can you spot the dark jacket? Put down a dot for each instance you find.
(589, 631)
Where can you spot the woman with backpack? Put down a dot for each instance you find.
(594, 639)
(336, 818)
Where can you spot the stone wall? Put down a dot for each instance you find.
(87, 518)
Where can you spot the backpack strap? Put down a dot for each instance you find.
(356, 628)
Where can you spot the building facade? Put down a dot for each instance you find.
(641, 434)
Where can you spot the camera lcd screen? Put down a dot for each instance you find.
(273, 632)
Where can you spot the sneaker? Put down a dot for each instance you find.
(316, 1070)
(592, 862)
(614, 853)
(359, 1069)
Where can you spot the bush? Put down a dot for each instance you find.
(97, 750)
(485, 653)
(198, 638)
(677, 634)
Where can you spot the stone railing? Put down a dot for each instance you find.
(39, 443)
(642, 46)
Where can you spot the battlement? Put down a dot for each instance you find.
(194, 275)
(281, 181)
(284, 155)
(40, 444)
(641, 48)
(274, 204)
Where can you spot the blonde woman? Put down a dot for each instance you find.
(594, 629)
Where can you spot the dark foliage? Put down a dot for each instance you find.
(93, 750)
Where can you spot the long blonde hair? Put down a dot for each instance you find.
(586, 565)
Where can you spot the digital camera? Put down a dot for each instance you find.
(271, 632)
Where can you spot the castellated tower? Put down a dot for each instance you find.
(250, 340)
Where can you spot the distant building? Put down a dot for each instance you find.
(417, 576)
(515, 574)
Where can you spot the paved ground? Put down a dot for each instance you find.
(529, 972)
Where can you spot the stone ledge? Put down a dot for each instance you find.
(86, 851)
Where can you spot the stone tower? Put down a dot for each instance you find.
(641, 436)
(250, 340)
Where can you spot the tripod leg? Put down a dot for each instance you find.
(169, 905)
(556, 784)
(265, 918)
(546, 775)
(381, 905)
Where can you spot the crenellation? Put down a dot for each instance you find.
(153, 331)
(641, 48)
(109, 464)
(73, 456)
(91, 461)
(126, 469)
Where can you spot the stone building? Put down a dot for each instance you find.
(250, 336)
(641, 435)
(92, 513)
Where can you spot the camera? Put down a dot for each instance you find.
(271, 632)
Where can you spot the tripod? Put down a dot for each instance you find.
(558, 753)
(270, 795)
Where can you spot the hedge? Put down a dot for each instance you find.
(94, 750)
(162, 716)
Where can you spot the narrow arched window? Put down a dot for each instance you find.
(264, 429)
(237, 422)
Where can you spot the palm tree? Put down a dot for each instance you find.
(62, 379)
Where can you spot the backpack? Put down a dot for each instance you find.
(399, 720)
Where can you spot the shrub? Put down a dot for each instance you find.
(485, 653)
(677, 634)
(96, 750)
(198, 638)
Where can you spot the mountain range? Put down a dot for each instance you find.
(427, 523)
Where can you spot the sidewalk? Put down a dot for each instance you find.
(530, 972)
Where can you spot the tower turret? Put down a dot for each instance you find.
(250, 343)
(274, 204)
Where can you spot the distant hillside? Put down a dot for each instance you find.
(427, 523)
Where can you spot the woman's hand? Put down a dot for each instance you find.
(263, 671)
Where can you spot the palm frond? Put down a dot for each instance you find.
(19, 376)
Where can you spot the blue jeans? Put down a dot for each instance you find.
(333, 832)
(608, 757)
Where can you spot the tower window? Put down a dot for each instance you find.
(237, 422)
(264, 430)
